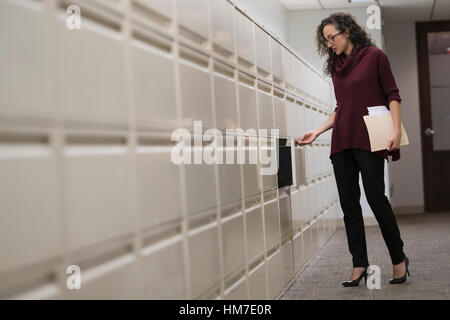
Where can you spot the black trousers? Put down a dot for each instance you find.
(347, 164)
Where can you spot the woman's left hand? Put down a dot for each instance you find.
(394, 141)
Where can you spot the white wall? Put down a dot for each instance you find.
(271, 13)
(406, 175)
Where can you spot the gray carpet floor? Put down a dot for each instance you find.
(426, 239)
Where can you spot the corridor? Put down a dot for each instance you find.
(185, 149)
(427, 244)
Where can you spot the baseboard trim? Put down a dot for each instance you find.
(370, 221)
(409, 210)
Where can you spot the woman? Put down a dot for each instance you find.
(362, 78)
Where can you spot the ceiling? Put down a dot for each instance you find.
(392, 10)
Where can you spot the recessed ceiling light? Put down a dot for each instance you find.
(359, 1)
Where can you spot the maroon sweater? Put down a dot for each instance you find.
(363, 79)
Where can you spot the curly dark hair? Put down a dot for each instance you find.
(342, 21)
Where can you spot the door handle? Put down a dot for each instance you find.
(429, 132)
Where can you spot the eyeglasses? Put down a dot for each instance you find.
(331, 38)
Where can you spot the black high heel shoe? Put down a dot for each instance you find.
(402, 279)
(355, 283)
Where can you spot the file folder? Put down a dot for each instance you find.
(380, 129)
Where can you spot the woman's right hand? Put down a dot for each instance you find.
(306, 138)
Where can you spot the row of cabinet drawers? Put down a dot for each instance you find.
(94, 185)
(253, 44)
(102, 80)
(164, 273)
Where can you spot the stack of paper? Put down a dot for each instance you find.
(378, 111)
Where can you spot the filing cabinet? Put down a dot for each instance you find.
(222, 27)
(280, 113)
(254, 230)
(245, 40)
(277, 61)
(98, 76)
(237, 291)
(308, 115)
(308, 85)
(156, 202)
(285, 214)
(232, 240)
(160, 7)
(308, 162)
(268, 171)
(29, 203)
(274, 273)
(252, 179)
(203, 246)
(322, 159)
(247, 102)
(323, 229)
(225, 97)
(164, 273)
(298, 251)
(250, 169)
(200, 188)
(320, 230)
(263, 59)
(100, 165)
(307, 243)
(257, 282)
(229, 183)
(287, 260)
(25, 29)
(193, 17)
(304, 203)
(314, 230)
(154, 97)
(298, 165)
(117, 281)
(195, 87)
(37, 283)
(296, 208)
(288, 66)
(108, 271)
(292, 119)
(98, 188)
(327, 223)
(265, 108)
(317, 162)
(301, 110)
(319, 199)
(311, 201)
(302, 74)
(271, 220)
